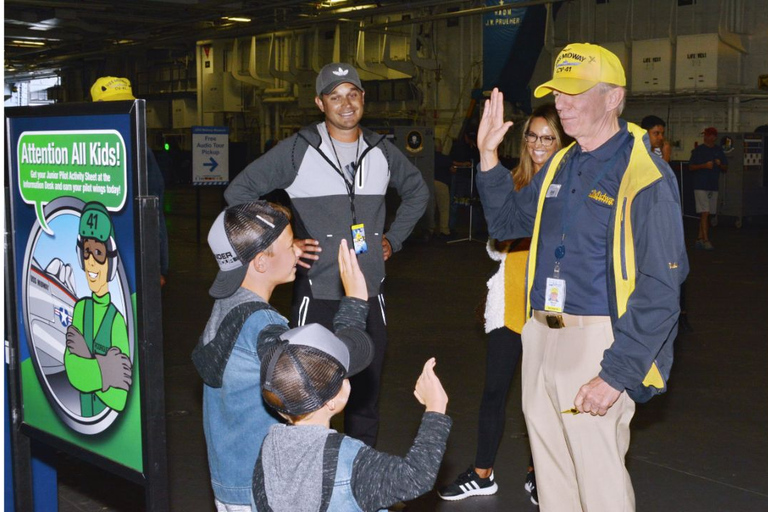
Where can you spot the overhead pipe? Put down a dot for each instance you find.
(276, 46)
(421, 62)
(370, 70)
(280, 75)
(252, 67)
(278, 99)
(236, 74)
(724, 33)
(315, 60)
(402, 66)
(337, 44)
(301, 75)
(729, 38)
(362, 69)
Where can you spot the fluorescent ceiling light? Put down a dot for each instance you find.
(354, 8)
(19, 42)
(236, 18)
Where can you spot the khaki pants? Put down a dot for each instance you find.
(579, 459)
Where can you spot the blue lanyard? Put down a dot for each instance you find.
(567, 218)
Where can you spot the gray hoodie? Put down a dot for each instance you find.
(292, 459)
(295, 456)
(304, 166)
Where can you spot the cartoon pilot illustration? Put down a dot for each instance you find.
(96, 358)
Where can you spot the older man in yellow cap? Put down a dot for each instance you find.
(604, 217)
(115, 88)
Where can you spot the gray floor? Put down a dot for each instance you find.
(702, 447)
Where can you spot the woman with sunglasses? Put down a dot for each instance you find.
(504, 316)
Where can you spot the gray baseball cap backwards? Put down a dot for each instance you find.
(238, 234)
(307, 365)
(334, 74)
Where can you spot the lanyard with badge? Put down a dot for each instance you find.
(357, 230)
(554, 298)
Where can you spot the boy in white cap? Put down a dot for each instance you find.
(307, 466)
(253, 245)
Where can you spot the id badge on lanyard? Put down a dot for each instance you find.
(358, 238)
(554, 300)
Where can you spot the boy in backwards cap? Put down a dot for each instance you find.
(307, 466)
(253, 245)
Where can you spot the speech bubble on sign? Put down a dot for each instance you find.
(88, 164)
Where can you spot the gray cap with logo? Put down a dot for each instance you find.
(334, 74)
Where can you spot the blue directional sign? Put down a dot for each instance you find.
(210, 155)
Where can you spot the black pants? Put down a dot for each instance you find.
(361, 415)
(504, 349)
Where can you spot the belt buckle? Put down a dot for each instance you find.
(555, 321)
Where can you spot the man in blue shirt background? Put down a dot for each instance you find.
(708, 160)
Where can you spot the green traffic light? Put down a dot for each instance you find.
(167, 146)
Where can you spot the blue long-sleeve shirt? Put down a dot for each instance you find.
(644, 258)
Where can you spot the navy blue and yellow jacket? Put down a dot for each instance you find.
(646, 261)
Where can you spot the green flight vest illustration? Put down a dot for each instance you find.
(96, 359)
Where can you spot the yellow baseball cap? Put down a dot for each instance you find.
(581, 66)
(112, 88)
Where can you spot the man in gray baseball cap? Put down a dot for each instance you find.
(336, 173)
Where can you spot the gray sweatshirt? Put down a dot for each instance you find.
(306, 166)
(292, 460)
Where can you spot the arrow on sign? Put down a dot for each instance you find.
(213, 164)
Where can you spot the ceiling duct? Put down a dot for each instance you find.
(237, 73)
(370, 70)
(264, 82)
(419, 61)
(403, 66)
(276, 51)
